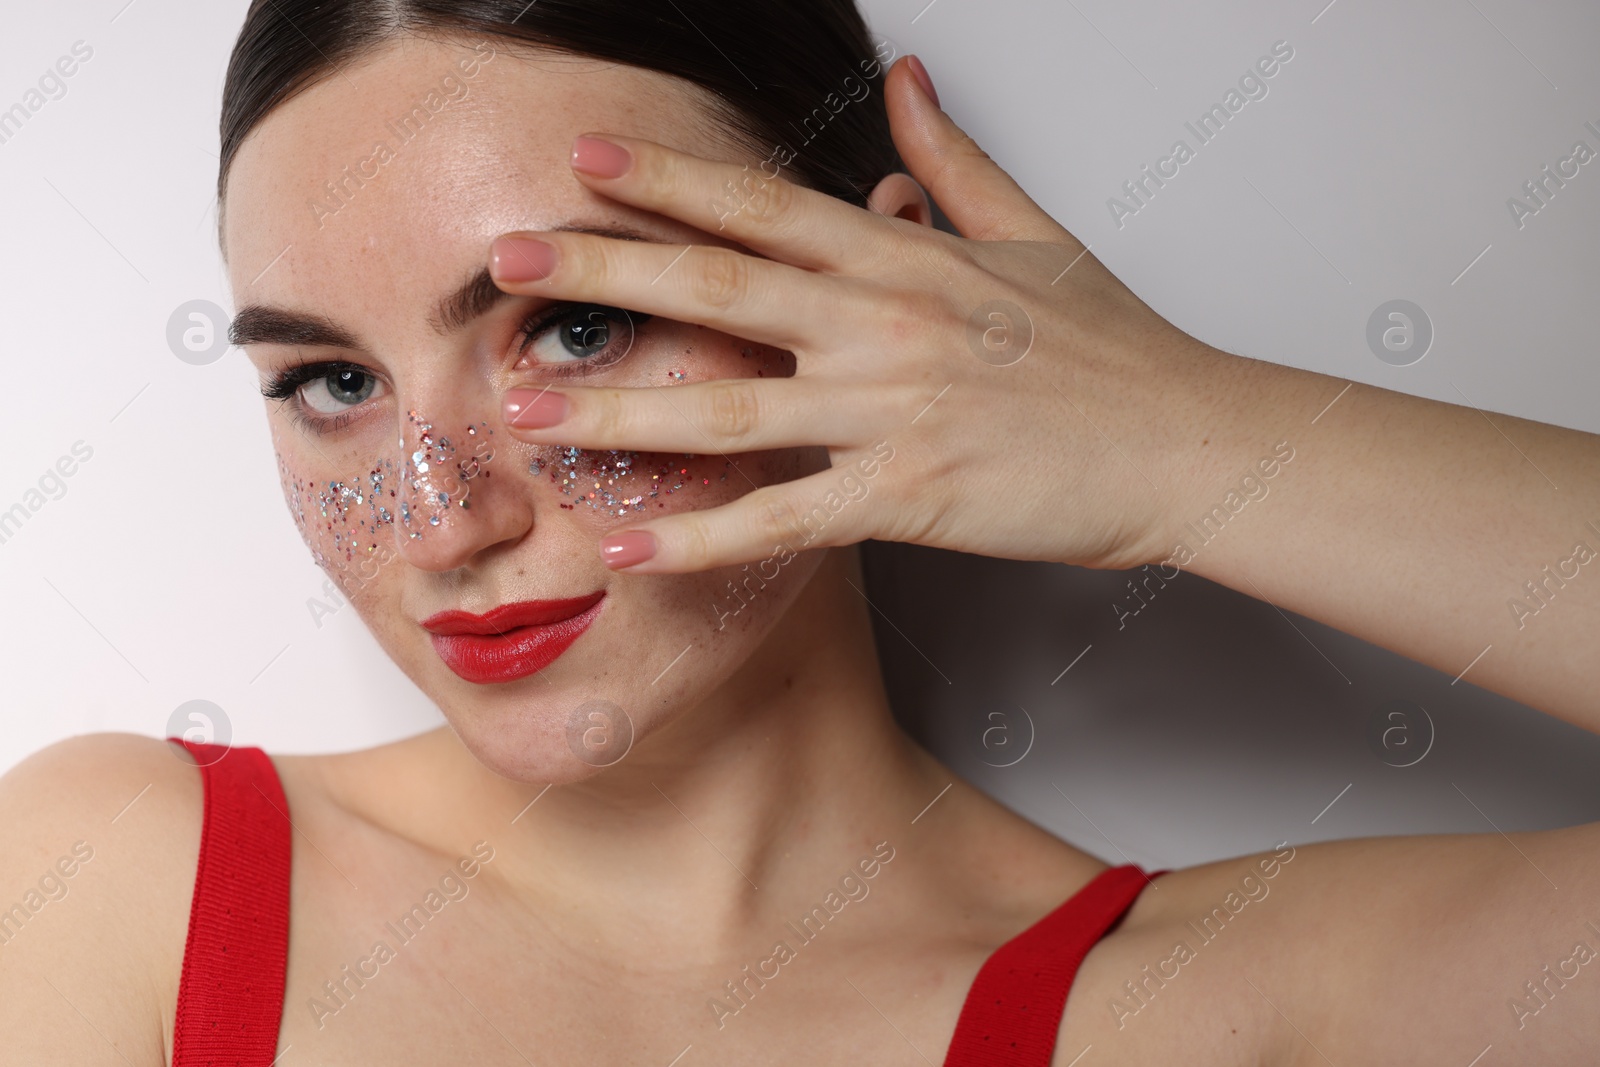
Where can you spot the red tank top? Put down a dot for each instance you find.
(230, 994)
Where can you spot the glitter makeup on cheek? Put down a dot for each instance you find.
(353, 524)
(346, 520)
(615, 482)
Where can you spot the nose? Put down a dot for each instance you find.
(444, 507)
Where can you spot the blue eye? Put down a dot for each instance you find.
(343, 387)
(594, 335)
(325, 389)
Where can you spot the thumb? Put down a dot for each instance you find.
(982, 200)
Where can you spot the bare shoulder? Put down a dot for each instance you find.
(99, 837)
(1393, 949)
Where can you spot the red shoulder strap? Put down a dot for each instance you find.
(1014, 1007)
(230, 996)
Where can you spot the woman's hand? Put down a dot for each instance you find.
(999, 393)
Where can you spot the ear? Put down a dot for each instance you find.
(900, 197)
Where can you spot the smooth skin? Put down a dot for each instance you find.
(620, 902)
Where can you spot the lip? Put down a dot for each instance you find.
(513, 640)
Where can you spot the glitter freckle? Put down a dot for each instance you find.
(596, 478)
(352, 511)
(414, 490)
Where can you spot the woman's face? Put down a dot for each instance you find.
(358, 216)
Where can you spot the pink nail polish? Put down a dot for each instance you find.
(923, 80)
(534, 409)
(602, 159)
(522, 259)
(627, 549)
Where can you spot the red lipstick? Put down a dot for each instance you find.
(513, 640)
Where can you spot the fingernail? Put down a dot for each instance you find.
(626, 549)
(522, 259)
(923, 80)
(600, 158)
(531, 409)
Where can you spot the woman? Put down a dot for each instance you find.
(671, 819)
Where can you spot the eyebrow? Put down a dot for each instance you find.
(265, 324)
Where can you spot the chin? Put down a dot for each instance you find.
(546, 735)
(572, 717)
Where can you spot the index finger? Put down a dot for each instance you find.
(762, 211)
(739, 294)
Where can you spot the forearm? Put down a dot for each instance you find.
(1467, 541)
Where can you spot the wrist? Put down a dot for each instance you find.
(1232, 437)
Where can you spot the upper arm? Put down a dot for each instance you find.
(1437, 948)
(1373, 950)
(99, 836)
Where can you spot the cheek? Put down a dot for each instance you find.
(612, 487)
(350, 520)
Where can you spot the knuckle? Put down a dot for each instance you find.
(959, 253)
(750, 197)
(589, 264)
(720, 279)
(772, 199)
(972, 148)
(777, 518)
(664, 172)
(695, 542)
(732, 412)
(605, 416)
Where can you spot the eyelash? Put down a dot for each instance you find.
(285, 385)
(541, 321)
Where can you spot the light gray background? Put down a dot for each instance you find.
(1377, 167)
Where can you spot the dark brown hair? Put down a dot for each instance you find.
(778, 68)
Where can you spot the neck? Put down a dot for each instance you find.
(787, 775)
